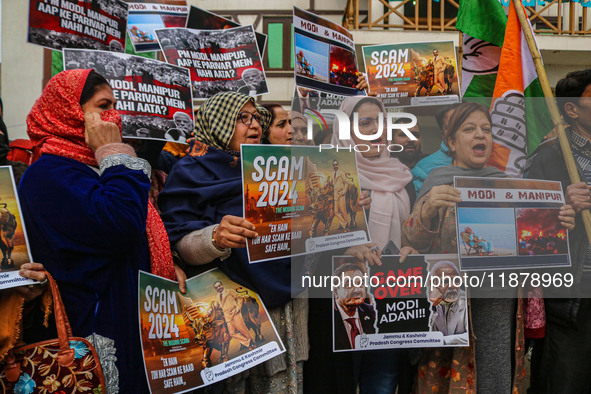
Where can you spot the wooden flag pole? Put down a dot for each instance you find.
(460, 56)
(552, 107)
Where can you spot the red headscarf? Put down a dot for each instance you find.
(56, 123)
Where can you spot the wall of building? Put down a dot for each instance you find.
(22, 68)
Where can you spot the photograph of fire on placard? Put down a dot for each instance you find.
(300, 200)
(215, 330)
(422, 73)
(13, 240)
(398, 305)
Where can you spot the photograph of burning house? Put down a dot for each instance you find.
(343, 67)
(539, 232)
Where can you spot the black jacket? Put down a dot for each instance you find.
(549, 164)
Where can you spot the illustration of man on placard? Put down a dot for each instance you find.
(231, 304)
(339, 181)
(184, 126)
(254, 82)
(449, 305)
(439, 65)
(353, 316)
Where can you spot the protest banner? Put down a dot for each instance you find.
(14, 244)
(397, 305)
(325, 57)
(153, 97)
(420, 73)
(215, 330)
(300, 200)
(95, 24)
(507, 223)
(147, 15)
(219, 60)
(201, 19)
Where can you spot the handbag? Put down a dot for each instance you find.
(64, 365)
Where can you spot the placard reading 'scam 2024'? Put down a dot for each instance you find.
(215, 330)
(422, 73)
(300, 200)
(505, 223)
(13, 243)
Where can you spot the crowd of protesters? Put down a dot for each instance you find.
(98, 210)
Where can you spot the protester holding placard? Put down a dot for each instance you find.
(389, 183)
(202, 209)
(431, 229)
(561, 361)
(95, 250)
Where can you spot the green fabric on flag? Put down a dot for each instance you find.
(482, 19)
(481, 86)
(537, 115)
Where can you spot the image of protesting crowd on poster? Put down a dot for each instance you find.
(215, 330)
(510, 223)
(325, 57)
(397, 305)
(145, 16)
(96, 24)
(201, 19)
(153, 97)
(422, 73)
(300, 200)
(219, 60)
(13, 237)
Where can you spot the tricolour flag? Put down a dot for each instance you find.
(520, 121)
(497, 64)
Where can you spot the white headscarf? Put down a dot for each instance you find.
(386, 177)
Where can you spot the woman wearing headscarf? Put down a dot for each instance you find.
(496, 324)
(85, 204)
(202, 208)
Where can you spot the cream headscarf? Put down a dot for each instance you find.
(386, 177)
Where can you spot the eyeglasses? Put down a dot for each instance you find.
(247, 117)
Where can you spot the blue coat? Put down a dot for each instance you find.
(89, 231)
(423, 168)
(199, 192)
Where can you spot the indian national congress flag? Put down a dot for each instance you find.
(497, 63)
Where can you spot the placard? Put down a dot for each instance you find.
(147, 15)
(153, 97)
(219, 60)
(14, 244)
(420, 73)
(505, 223)
(301, 200)
(397, 305)
(216, 330)
(324, 53)
(95, 24)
